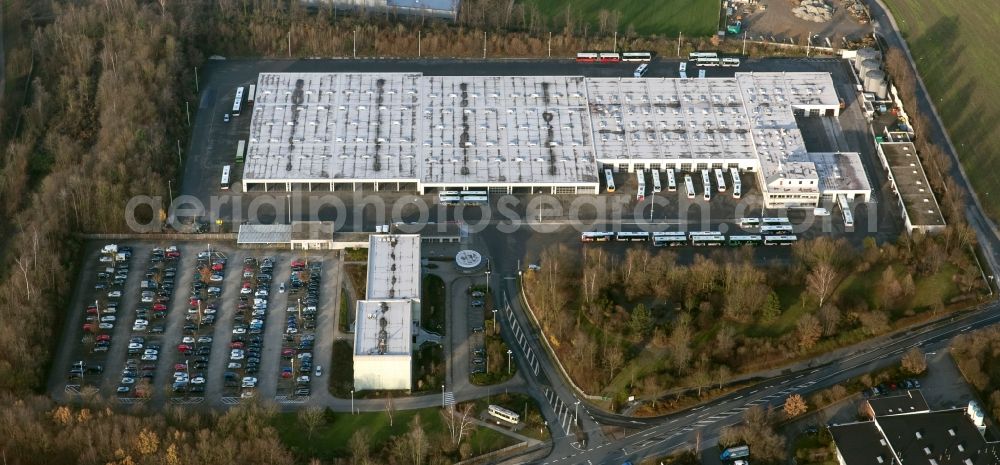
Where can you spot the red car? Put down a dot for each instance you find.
(91, 310)
(236, 345)
(89, 327)
(184, 348)
(103, 337)
(218, 266)
(298, 264)
(159, 307)
(288, 353)
(180, 367)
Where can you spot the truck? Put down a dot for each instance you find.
(733, 453)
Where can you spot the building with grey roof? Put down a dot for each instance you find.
(918, 205)
(904, 431)
(376, 131)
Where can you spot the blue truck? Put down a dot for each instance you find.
(733, 453)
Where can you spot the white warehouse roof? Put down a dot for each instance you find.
(393, 266)
(383, 327)
(446, 131)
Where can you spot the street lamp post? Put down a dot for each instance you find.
(494, 321)
(442, 396)
(509, 352)
(352, 401)
(576, 409)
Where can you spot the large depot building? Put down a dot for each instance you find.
(407, 131)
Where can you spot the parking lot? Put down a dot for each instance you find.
(195, 323)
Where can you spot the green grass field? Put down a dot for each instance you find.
(665, 17)
(953, 43)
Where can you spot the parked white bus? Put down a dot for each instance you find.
(656, 181)
(640, 193)
(697, 55)
(776, 228)
(775, 220)
(706, 184)
(609, 176)
(752, 239)
(787, 239)
(749, 223)
(731, 62)
(737, 191)
(708, 62)
(637, 56)
(845, 208)
(225, 177)
(626, 236)
(689, 184)
(596, 236)
(708, 240)
(501, 413)
(669, 239)
(641, 70)
(671, 180)
(720, 180)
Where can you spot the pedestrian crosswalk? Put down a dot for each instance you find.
(230, 400)
(449, 398)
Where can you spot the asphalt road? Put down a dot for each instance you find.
(671, 433)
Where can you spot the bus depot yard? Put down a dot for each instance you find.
(748, 141)
(340, 142)
(194, 322)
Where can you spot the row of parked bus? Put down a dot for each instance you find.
(694, 238)
(463, 197)
(706, 180)
(613, 57)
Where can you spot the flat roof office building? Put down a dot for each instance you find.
(388, 319)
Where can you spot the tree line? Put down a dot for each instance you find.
(978, 355)
(683, 325)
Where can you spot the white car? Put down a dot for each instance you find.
(236, 354)
(234, 365)
(304, 379)
(147, 299)
(319, 370)
(261, 293)
(151, 352)
(249, 382)
(106, 326)
(135, 345)
(180, 374)
(281, 288)
(108, 319)
(198, 380)
(187, 340)
(205, 339)
(128, 380)
(239, 330)
(203, 255)
(114, 294)
(149, 358)
(246, 291)
(216, 278)
(106, 259)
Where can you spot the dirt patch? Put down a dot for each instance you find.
(776, 21)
